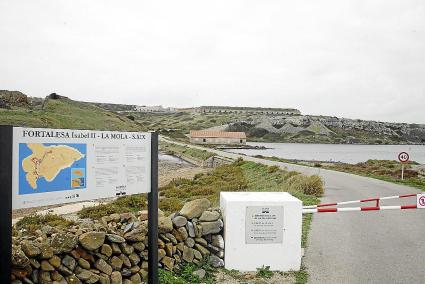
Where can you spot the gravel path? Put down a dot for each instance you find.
(169, 171)
(234, 277)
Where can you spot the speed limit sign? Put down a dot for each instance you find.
(421, 200)
(403, 157)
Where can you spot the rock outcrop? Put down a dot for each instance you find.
(12, 99)
(331, 129)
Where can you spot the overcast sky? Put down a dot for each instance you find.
(357, 59)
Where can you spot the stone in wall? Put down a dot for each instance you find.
(114, 249)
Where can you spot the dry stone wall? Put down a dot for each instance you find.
(114, 249)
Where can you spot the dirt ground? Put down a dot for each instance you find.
(234, 277)
(169, 171)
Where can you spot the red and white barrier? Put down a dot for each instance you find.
(367, 208)
(359, 201)
(325, 208)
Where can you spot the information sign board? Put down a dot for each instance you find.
(40, 166)
(264, 225)
(53, 166)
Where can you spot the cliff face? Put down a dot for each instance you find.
(414, 133)
(326, 129)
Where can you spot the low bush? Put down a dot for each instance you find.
(264, 272)
(273, 169)
(313, 186)
(131, 203)
(310, 185)
(33, 222)
(186, 275)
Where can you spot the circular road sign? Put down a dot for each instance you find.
(421, 201)
(403, 157)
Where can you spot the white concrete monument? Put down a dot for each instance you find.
(262, 228)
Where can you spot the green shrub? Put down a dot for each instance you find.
(169, 205)
(310, 185)
(185, 275)
(290, 174)
(131, 203)
(273, 169)
(264, 272)
(314, 186)
(98, 211)
(34, 222)
(198, 176)
(135, 202)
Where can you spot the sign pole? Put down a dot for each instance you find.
(402, 171)
(153, 213)
(6, 149)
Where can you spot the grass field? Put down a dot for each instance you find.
(68, 114)
(179, 150)
(239, 176)
(384, 170)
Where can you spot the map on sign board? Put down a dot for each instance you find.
(51, 167)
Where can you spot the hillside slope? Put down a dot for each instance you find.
(287, 128)
(61, 112)
(64, 113)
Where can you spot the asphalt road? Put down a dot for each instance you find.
(366, 247)
(362, 247)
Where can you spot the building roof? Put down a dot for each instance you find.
(216, 134)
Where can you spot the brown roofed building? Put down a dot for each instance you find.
(217, 137)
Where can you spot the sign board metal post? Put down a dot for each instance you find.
(6, 139)
(153, 214)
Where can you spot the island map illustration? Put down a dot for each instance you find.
(51, 167)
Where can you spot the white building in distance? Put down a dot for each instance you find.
(154, 109)
(217, 137)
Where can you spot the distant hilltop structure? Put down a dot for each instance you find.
(123, 108)
(155, 109)
(248, 110)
